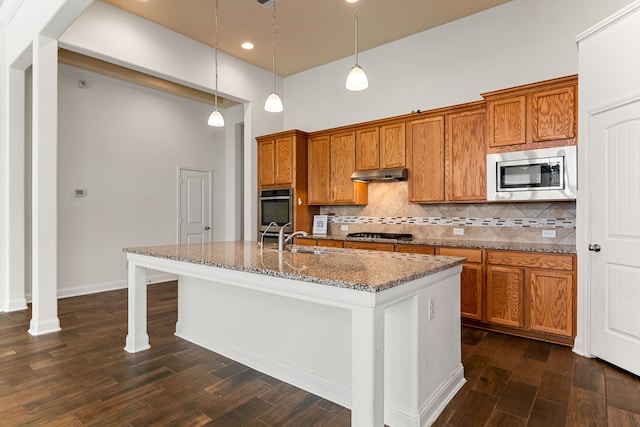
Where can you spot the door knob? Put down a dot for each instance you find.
(206, 227)
(595, 248)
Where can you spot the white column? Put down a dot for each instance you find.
(367, 367)
(4, 169)
(44, 186)
(14, 242)
(137, 337)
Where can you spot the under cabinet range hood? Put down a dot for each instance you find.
(381, 175)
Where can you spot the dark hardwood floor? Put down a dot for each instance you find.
(82, 376)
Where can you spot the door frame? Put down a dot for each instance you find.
(209, 173)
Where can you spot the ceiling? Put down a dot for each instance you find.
(309, 33)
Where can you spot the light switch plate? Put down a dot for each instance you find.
(344, 227)
(458, 231)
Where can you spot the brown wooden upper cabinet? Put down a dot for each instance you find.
(381, 147)
(332, 160)
(425, 152)
(538, 115)
(466, 155)
(276, 161)
(447, 155)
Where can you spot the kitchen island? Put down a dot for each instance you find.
(375, 332)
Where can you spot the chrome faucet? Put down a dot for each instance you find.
(282, 241)
(261, 244)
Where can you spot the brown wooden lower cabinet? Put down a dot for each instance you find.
(532, 293)
(372, 246)
(303, 241)
(505, 296)
(471, 280)
(330, 243)
(415, 249)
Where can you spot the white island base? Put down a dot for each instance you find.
(391, 356)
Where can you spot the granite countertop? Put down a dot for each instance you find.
(371, 271)
(474, 244)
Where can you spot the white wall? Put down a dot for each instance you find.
(123, 144)
(520, 42)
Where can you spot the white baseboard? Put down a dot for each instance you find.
(107, 286)
(434, 406)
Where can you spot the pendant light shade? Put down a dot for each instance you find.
(273, 104)
(216, 119)
(357, 79)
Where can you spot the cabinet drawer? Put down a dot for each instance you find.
(531, 260)
(372, 246)
(472, 255)
(415, 249)
(305, 242)
(330, 243)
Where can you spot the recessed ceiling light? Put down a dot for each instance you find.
(247, 45)
(352, 1)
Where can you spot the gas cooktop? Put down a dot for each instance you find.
(376, 235)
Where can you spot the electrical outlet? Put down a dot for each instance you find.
(344, 227)
(549, 233)
(432, 313)
(458, 231)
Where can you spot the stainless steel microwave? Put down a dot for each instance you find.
(544, 174)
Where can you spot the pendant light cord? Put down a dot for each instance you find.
(356, 33)
(216, 59)
(273, 40)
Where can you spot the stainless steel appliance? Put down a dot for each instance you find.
(275, 211)
(544, 174)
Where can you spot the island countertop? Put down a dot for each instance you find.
(363, 270)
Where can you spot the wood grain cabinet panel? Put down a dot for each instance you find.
(372, 246)
(392, 146)
(553, 114)
(330, 243)
(505, 291)
(343, 165)
(425, 140)
(471, 280)
(415, 249)
(537, 115)
(466, 177)
(368, 149)
(319, 171)
(266, 162)
(551, 302)
(507, 121)
(284, 160)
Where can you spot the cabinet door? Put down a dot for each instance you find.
(426, 159)
(466, 156)
(551, 300)
(471, 281)
(368, 149)
(266, 162)
(553, 113)
(392, 146)
(284, 160)
(505, 290)
(319, 172)
(343, 164)
(507, 121)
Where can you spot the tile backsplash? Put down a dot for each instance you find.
(389, 211)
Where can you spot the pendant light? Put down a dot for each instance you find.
(357, 79)
(216, 119)
(273, 103)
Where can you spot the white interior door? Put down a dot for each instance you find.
(194, 212)
(614, 163)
